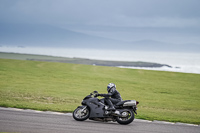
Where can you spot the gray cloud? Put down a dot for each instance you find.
(98, 11)
(119, 15)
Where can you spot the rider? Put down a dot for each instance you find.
(114, 94)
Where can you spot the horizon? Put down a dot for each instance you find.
(179, 62)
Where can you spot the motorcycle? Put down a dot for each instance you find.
(95, 109)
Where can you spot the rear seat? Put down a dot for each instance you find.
(122, 102)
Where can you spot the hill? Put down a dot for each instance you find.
(50, 36)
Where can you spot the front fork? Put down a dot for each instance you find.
(83, 108)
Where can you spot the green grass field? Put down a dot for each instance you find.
(61, 87)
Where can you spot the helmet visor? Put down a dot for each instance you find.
(108, 88)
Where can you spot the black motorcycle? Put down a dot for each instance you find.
(95, 109)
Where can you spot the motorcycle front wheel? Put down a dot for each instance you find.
(127, 116)
(80, 115)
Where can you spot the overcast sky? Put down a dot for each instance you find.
(175, 21)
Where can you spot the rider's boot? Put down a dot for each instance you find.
(112, 108)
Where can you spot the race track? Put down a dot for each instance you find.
(28, 121)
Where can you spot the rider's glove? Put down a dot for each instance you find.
(102, 95)
(96, 95)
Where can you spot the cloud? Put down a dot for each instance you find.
(115, 15)
(112, 12)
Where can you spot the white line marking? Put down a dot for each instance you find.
(162, 122)
(141, 120)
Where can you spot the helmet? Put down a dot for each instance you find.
(110, 86)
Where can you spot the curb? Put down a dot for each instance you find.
(70, 114)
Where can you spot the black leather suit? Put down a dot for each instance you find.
(115, 97)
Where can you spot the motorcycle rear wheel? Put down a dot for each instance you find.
(128, 117)
(81, 115)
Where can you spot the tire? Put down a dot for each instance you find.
(80, 115)
(127, 119)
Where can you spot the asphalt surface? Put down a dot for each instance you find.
(28, 121)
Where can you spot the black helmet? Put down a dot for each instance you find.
(110, 86)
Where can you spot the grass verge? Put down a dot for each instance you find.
(61, 87)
